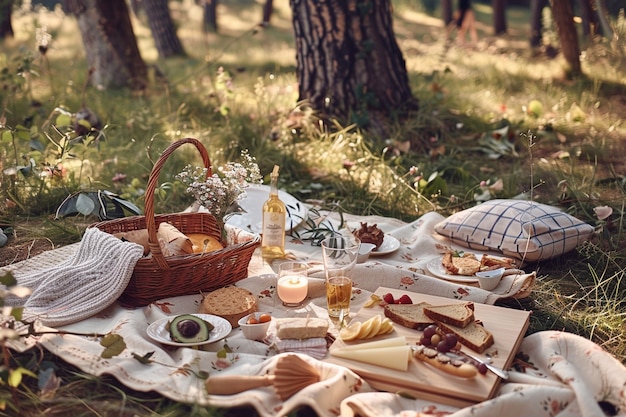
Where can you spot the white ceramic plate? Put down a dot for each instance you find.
(437, 269)
(252, 219)
(390, 244)
(159, 332)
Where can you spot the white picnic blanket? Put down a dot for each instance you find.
(561, 375)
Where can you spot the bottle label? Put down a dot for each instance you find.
(273, 229)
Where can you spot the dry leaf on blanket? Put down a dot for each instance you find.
(172, 241)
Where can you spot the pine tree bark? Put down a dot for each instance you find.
(110, 43)
(6, 28)
(563, 14)
(349, 65)
(163, 30)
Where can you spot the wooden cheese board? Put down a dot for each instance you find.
(421, 380)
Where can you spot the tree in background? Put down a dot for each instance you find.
(6, 9)
(162, 27)
(536, 29)
(110, 43)
(268, 8)
(446, 12)
(349, 65)
(563, 14)
(499, 17)
(209, 15)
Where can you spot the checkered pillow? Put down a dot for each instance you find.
(521, 229)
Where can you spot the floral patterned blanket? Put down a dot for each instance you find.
(557, 374)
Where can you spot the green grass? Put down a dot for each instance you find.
(570, 155)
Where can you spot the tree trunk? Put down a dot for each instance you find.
(110, 43)
(162, 27)
(446, 12)
(587, 14)
(268, 8)
(536, 14)
(349, 65)
(6, 9)
(499, 17)
(564, 20)
(209, 15)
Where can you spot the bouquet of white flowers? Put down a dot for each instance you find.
(221, 190)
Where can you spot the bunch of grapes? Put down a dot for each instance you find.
(443, 342)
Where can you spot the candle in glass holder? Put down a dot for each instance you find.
(292, 289)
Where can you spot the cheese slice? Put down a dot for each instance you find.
(393, 341)
(393, 357)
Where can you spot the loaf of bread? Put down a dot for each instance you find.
(301, 327)
(408, 315)
(231, 303)
(458, 314)
(203, 243)
(474, 335)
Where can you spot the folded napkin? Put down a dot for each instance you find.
(324, 397)
(84, 284)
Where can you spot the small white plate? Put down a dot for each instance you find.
(437, 269)
(159, 332)
(390, 244)
(252, 219)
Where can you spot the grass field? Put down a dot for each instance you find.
(237, 89)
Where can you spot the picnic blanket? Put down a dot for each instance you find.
(563, 374)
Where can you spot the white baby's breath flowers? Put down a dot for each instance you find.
(224, 187)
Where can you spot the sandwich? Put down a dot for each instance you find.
(460, 265)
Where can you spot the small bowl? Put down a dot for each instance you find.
(364, 252)
(254, 331)
(488, 280)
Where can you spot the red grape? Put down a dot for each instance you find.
(451, 339)
(443, 346)
(430, 330)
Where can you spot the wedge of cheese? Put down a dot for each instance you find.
(393, 357)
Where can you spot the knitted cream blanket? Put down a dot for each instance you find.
(86, 283)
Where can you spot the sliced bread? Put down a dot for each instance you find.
(408, 315)
(474, 335)
(459, 314)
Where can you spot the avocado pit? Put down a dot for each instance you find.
(188, 328)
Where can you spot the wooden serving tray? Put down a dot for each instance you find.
(423, 381)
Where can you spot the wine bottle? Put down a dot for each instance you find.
(274, 215)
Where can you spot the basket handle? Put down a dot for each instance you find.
(153, 242)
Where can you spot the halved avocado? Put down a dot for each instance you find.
(188, 328)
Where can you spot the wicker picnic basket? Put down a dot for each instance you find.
(157, 277)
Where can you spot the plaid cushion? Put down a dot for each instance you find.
(521, 229)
